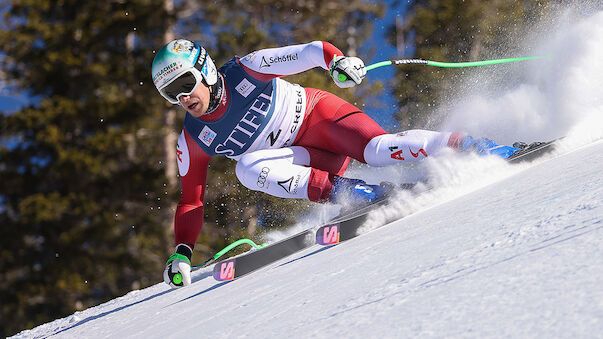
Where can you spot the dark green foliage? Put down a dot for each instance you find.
(81, 171)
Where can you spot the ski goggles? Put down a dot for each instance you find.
(185, 84)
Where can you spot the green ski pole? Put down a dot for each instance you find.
(344, 77)
(225, 250)
(449, 64)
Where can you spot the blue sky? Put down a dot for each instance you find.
(384, 51)
(11, 103)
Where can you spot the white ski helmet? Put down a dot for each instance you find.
(185, 61)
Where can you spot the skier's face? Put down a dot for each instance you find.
(197, 102)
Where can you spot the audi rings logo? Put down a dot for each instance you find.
(263, 176)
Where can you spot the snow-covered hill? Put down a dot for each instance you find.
(520, 257)
(495, 251)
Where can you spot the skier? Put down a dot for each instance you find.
(288, 141)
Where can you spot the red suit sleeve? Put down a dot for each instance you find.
(329, 51)
(193, 163)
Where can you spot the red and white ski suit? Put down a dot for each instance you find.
(294, 155)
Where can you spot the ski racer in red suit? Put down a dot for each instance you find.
(288, 141)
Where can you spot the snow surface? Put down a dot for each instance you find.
(495, 251)
(520, 257)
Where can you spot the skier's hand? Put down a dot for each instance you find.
(347, 71)
(177, 271)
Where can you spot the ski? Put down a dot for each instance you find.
(346, 226)
(346, 223)
(532, 151)
(246, 263)
(341, 228)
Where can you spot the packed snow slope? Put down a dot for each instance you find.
(494, 251)
(518, 257)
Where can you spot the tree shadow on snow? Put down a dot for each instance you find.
(201, 276)
(226, 282)
(202, 292)
(324, 248)
(100, 315)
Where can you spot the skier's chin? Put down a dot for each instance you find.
(195, 109)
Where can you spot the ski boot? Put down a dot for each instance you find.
(483, 146)
(356, 191)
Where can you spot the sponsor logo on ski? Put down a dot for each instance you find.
(329, 235)
(227, 271)
(245, 87)
(263, 176)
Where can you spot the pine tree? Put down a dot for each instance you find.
(86, 195)
(82, 174)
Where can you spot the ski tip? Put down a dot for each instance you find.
(532, 151)
(225, 270)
